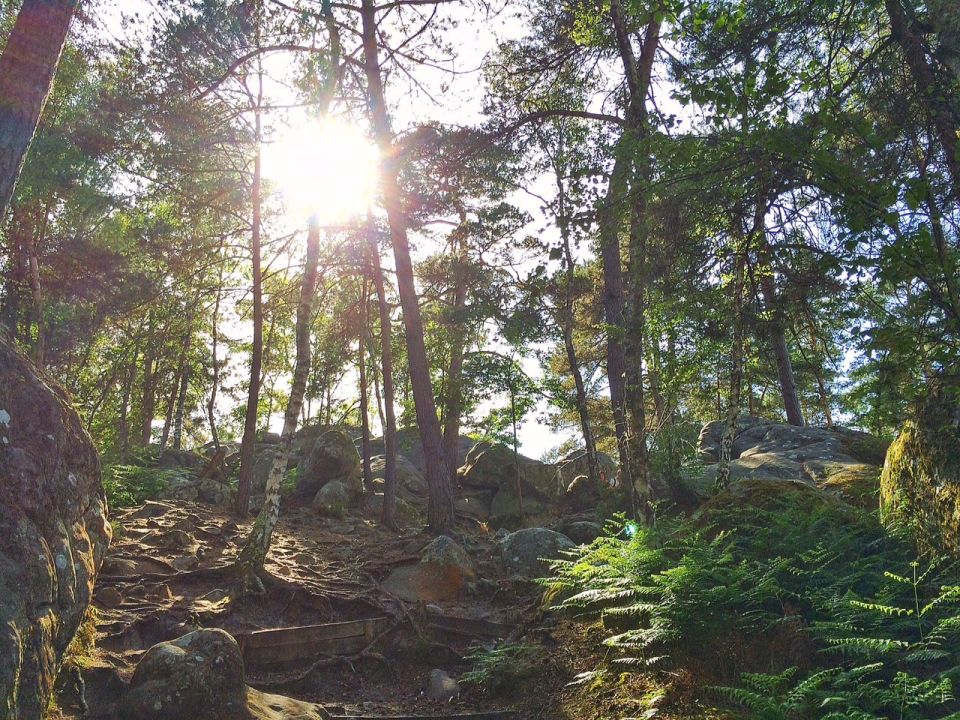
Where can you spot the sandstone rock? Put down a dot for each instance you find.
(442, 687)
(764, 450)
(442, 573)
(528, 552)
(493, 466)
(575, 464)
(510, 510)
(332, 456)
(473, 507)
(53, 531)
(170, 459)
(410, 447)
(582, 532)
(185, 562)
(200, 676)
(109, 597)
(920, 483)
(406, 514)
(409, 478)
(332, 499)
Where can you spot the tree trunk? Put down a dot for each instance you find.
(27, 67)
(123, 430)
(245, 482)
(364, 393)
(147, 391)
(440, 505)
(386, 359)
(736, 374)
(182, 394)
(254, 553)
(171, 404)
(215, 363)
(453, 395)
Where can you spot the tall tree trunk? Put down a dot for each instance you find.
(583, 412)
(123, 429)
(386, 359)
(364, 391)
(182, 394)
(171, 404)
(148, 392)
(453, 392)
(215, 362)
(931, 91)
(613, 306)
(440, 505)
(637, 72)
(736, 372)
(36, 289)
(254, 553)
(245, 482)
(27, 67)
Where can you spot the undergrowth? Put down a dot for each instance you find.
(502, 669)
(132, 485)
(795, 610)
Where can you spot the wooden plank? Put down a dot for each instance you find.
(489, 715)
(297, 644)
(471, 627)
(312, 633)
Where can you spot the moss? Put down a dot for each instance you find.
(83, 648)
(920, 483)
(858, 485)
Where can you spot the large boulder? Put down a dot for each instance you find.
(409, 478)
(410, 446)
(53, 532)
(528, 552)
(920, 483)
(331, 456)
(576, 465)
(491, 466)
(837, 459)
(201, 676)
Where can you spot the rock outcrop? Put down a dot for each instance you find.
(201, 676)
(53, 532)
(920, 484)
(443, 573)
(332, 456)
(837, 459)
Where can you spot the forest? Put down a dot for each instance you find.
(393, 359)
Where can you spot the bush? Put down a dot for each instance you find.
(132, 485)
(502, 669)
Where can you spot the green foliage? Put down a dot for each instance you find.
(132, 485)
(757, 592)
(504, 668)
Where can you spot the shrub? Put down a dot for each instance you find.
(132, 485)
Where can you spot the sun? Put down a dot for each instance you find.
(327, 169)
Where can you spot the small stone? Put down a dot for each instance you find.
(109, 597)
(442, 687)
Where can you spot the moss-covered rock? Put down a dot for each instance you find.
(920, 483)
(332, 456)
(53, 531)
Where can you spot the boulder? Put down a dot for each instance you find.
(829, 458)
(332, 499)
(201, 676)
(406, 514)
(181, 459)
(492, 466)
(53, 531)
(528, 552)
(582, 532)
(410, 447)
(510, 510)
(920, 483)
(331, 456)
(409, 478)
(575, 464)
(442, 573)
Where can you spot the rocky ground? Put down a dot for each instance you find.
(360, 621)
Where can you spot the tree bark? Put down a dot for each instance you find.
(736, 373)
(245, 481)
(453, 395)
(182, 394)
(215, 362)
(252, 557)
(386, 360)
(440, 505)
(364, 392)
(27, 68)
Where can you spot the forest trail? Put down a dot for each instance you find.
(356, 648)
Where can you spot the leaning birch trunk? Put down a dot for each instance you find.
(252, 557)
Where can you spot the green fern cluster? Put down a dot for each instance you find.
(882, 637)
(503, 668)
(132, 485)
